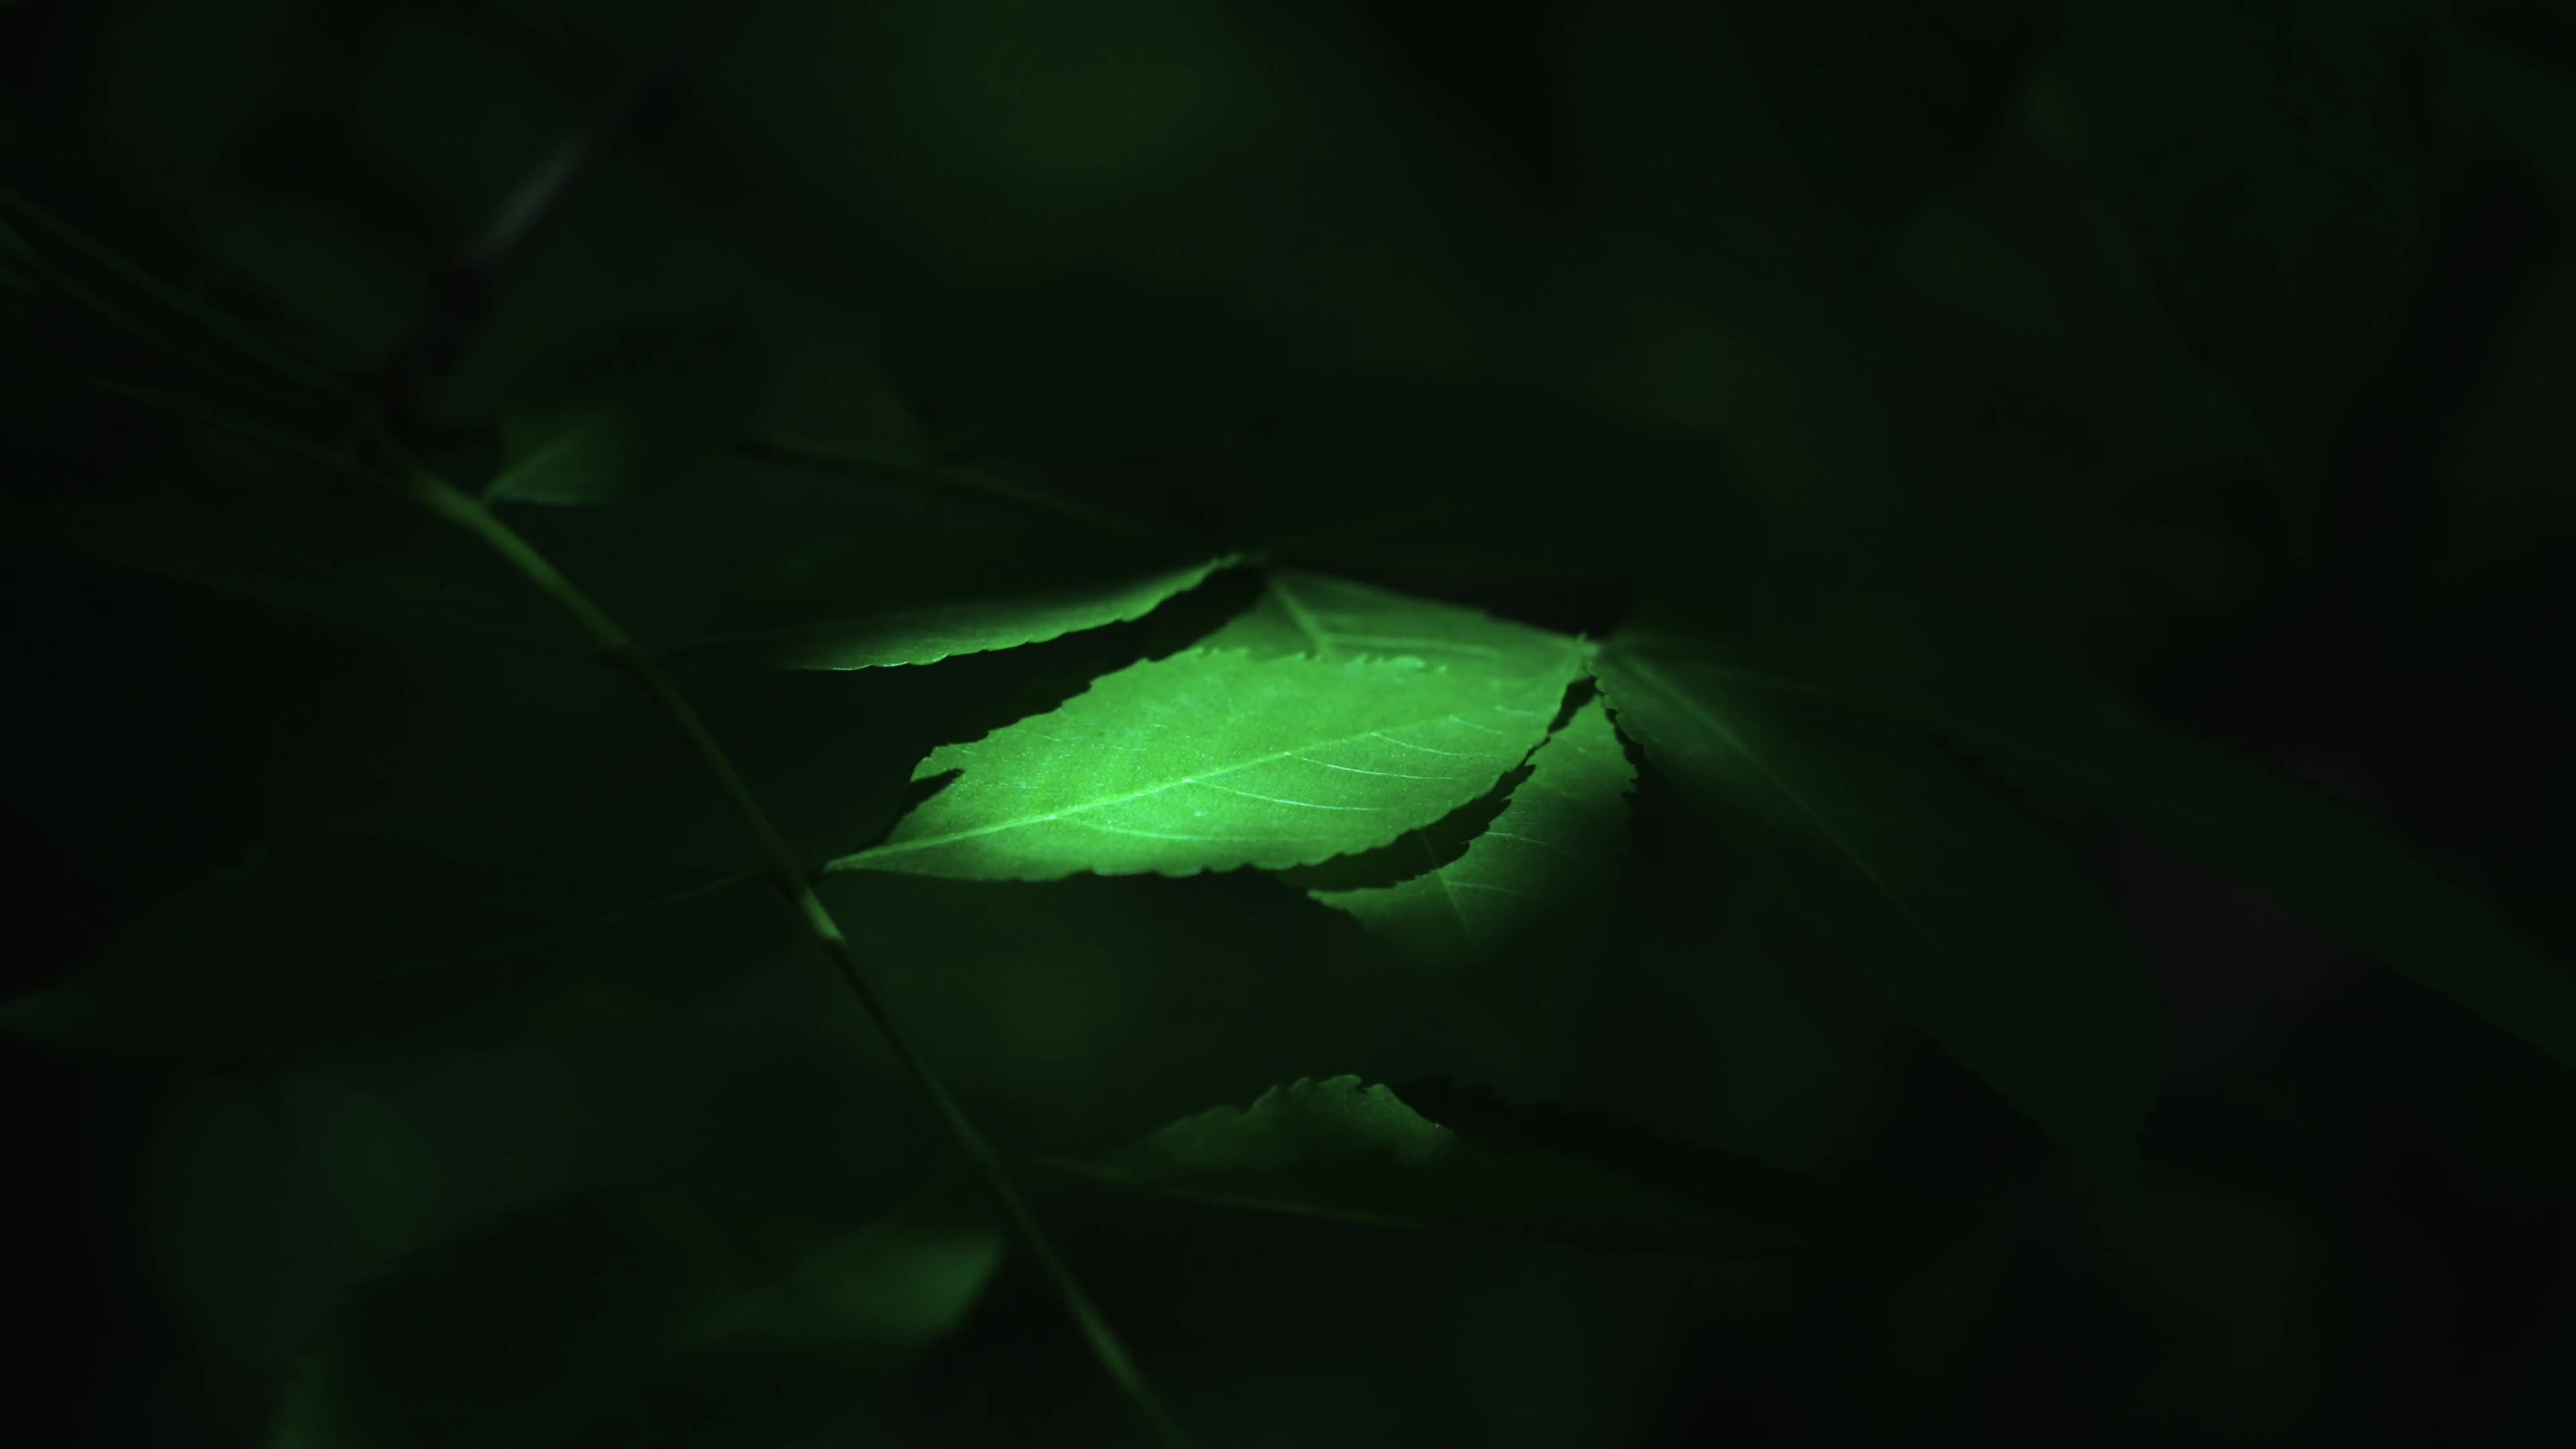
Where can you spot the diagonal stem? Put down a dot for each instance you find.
(788, 872)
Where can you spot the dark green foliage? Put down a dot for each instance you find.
(1758, 576)
(1979, 928)
(352, 943)
(1338, 1149)
(689, 1313)
(620, 414)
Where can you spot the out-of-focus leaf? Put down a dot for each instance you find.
(2273, 160)
(349, 943)
(2046, 723)
(1049, 1007)
(1443, 481)
(1337, 1149)
(2532, 106)
(698, 1315)
(1878, 101)
(1976, 925)
(830, 402)
(617, 416)
(1213, 760)
(1709, 1177)
(271, 522)
(1555, 846)
(864, 603)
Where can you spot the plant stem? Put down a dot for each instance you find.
(788, 872)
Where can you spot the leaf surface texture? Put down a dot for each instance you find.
(1215, 760)
(1556, 845)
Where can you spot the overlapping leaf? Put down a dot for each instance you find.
(1556, 844)
(1974, 924)
(1337, 1149)
(616, 417)
(863, 603)
(700, 1315)
(1212, 760)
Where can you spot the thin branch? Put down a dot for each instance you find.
(787, 871)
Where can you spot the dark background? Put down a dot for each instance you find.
(2228, 343)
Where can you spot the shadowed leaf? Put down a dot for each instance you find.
(1974, 924)
(619, 416)
(699, 1315)
(1691, 1173)
(2045, 723)
(1337, 1149)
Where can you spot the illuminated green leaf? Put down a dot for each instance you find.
(863, 603)
(1556, 845)
(1215, 760)
(1974, 924)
